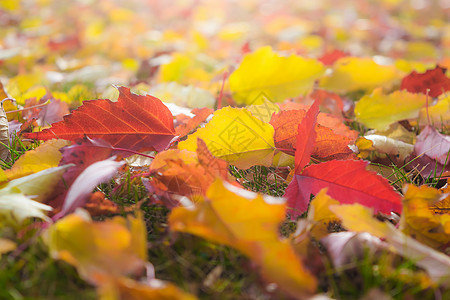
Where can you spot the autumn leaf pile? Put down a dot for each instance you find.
(343, 107)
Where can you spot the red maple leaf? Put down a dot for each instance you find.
(133, 122)
(433, 80)
(347, 181)
(307, 137)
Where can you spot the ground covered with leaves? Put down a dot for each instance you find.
(224, 149)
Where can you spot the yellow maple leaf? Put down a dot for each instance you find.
(235, 135)
(265, 74)
(45, 156)
(247, 222)
(379, 110)
(419, 221)
(99, 250)
(354, 73)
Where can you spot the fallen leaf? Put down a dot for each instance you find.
(38, 185)
(15, 207)
(81, 188)
(98, 205)
(432, 149)
(306, 138)
(347, 181)
(358, 218)
(223, 217)
(418, 220)
(192, 123)
(433, 144)
(46, 111)
(379, 110)
(133, 122)
(354, 73)
(115, 247)
(263, 111)
(235, 135)
(333, 137)
(347, 248)
(46, 155)
(276, 78)
(185, 173)
(433, 82)
(383, 144)
(320, 215)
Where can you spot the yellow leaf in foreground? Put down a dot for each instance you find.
(127, 289)
(379, 110)
(419, 221)
(99, 250)
(235, 135)
(247, 222)
(265, 74)
(47, 155)
(354, 73)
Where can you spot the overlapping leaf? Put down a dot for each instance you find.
(347, 181)
(183, 172)
(235, 135)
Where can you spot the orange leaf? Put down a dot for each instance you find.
(189, 124)
(183, 172)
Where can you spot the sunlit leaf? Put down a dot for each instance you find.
(223, 216)
(265, 73)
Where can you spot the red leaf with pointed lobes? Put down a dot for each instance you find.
(333, 136)
(306, 137)
(133, 122)
(347, 181)
(434, 80)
